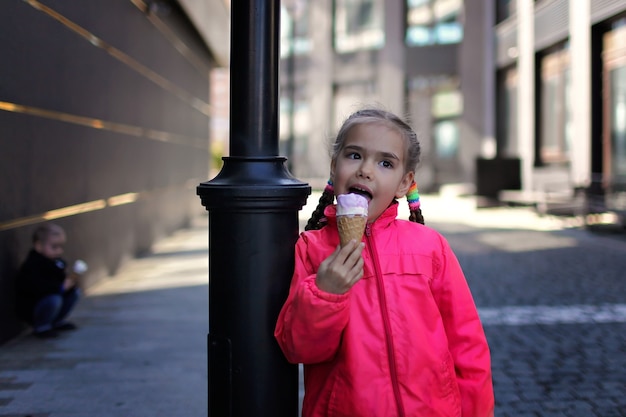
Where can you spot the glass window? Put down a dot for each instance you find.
(416, 3)
(451, 32)
(431, 22)
(446, 107)
(505, 9)
(447, 104)
(506, 107)
(568, 126)
(618, 122)
(555, 108)
(614, 61)
(294, 130)
(419, 36)
(359, 24)
(551, 113)
(294, 28)
(441, 103)
(446, 135)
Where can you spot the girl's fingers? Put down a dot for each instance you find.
(355, 255)
(356, 273)
(344, 253)
(328, 262)
(342, 269)
(354, 264)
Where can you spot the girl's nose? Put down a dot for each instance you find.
(365, 170)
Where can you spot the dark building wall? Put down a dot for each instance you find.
(100, 112)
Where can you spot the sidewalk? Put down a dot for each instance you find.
(140, 350)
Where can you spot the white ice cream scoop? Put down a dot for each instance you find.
(352, 205)
(80, 266)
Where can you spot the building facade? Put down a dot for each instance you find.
(505, 95)
(104, 127)
(338, 56)
(561, 77)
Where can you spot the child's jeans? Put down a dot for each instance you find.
(51, 310)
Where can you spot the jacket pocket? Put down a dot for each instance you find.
(334, 397)
(448, 384)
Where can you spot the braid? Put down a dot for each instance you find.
(317, 220)
(413, 198)
(416, 216)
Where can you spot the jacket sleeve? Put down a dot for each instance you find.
(466, 337)
(311, 322)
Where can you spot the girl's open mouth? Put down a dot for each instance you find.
(361, 191)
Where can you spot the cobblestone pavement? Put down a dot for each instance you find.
(552, 300)
(553, 304)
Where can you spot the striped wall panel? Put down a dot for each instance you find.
(551, 22)
(506, 42)
(604, 9)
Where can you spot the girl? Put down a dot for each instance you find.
(385, 327)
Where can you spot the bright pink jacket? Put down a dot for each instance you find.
(405, 341)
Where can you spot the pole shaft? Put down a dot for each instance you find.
(254, 77)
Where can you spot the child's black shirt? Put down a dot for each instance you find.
(38, 277)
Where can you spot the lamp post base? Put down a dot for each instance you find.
(253, 206)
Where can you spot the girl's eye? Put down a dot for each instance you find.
(386, 164)
(353, 155)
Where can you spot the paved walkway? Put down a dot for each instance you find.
(140, 350)
(556, 322)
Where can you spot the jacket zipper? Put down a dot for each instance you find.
(371, 246)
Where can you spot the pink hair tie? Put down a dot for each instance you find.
(329, 187)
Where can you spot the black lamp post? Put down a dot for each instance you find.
(253, 206)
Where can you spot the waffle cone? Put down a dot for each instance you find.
(351, 227)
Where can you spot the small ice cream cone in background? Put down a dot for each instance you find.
(72, 279)
(351, 217)
(80, 267)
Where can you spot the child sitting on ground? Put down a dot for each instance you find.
(46, 292)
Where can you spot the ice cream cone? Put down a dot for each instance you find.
(351, 227)
(351, 217)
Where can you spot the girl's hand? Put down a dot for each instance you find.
(342, 269)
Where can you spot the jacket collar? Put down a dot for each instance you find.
(384, 220)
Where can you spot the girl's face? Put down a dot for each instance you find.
(371, 163)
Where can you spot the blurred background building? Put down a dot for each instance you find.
(517, 100)
(111, 113)
(402, 55)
